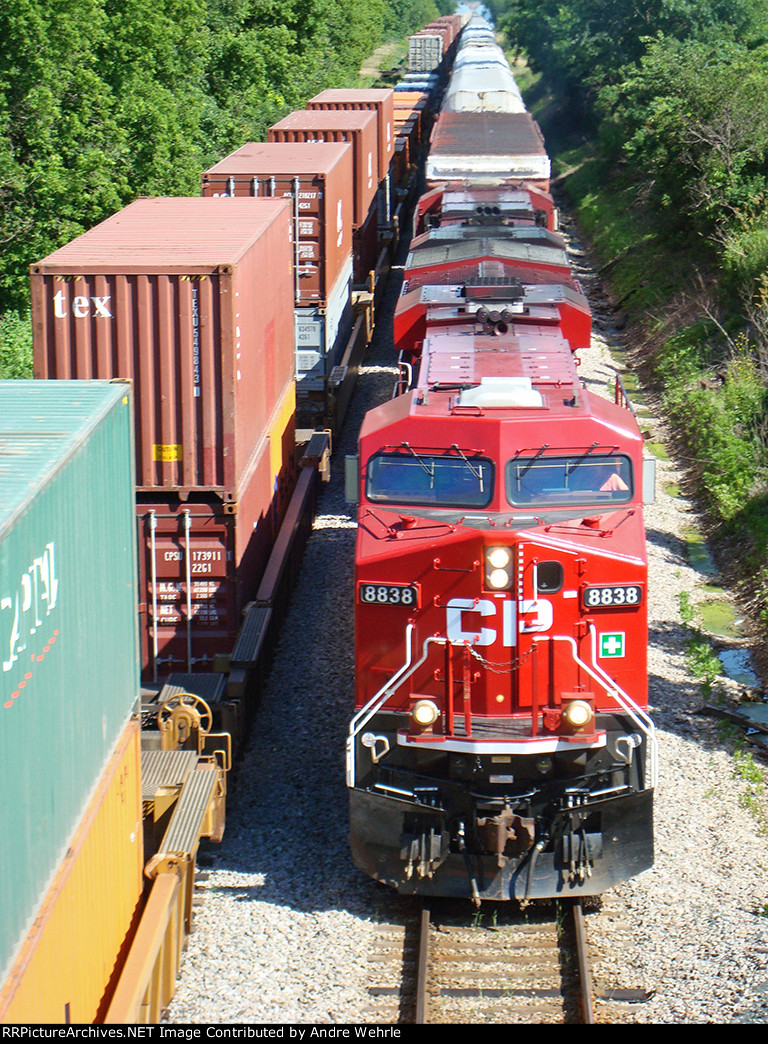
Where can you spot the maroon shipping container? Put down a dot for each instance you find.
(366, 247)
(192, 300)
(444, 31)
(379, 99)
(200, 562)
(401, 167)
(318, 180)
(360, 129)
(450, 22)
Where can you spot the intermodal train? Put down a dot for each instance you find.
(241, 316)
(188, 353)
(501, 746)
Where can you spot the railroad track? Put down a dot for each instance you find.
(446, 963)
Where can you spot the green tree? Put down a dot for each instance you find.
(63, 151)
(154, 57)
(693, 117)
(582, 45)
(105, 100)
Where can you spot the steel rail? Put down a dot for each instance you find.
(422, 959)
(576, 989)
(582, 958)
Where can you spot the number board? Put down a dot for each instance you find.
(618, 596)
(389, 594)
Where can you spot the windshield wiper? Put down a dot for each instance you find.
(430, 469)
(572, 467)
(478, 473)
(531, 462)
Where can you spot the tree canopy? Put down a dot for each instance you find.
(678, 92)
(102, 101)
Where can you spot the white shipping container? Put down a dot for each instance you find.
(425, 52)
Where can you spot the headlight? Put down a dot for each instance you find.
(425, 713)
(499, 557)
(578, 714)
(499, 579)
(498, 568)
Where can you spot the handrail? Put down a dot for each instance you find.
(638, 715)
(620, 395)
(402, 674)
(614, 691)
(641, 718)
(147, 981)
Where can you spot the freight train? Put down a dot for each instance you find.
(241, 317)
(501, 746)
(189, 355)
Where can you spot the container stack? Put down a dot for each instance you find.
(72, 856)
(413, 122)
(360, 130)
(417, 96)
(381, 101)
(432, 49)
(192, 301)
(316, 179)
(425, 51)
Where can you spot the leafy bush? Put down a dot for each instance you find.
(693, 118)
(15, 345)
(721, 413)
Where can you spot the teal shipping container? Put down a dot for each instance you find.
(68, 621)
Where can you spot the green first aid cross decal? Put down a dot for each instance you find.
(612, 644)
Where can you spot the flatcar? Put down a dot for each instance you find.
(501, 746)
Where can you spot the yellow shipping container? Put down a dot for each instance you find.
(67, 967)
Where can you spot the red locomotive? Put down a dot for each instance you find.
(501, 746)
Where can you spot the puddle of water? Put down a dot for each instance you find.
(719, 619)
(737, 664)
(698, 552)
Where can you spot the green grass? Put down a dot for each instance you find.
(527, 81)
(643, 270)
(703, 662)
(687, 612)
(752, 797)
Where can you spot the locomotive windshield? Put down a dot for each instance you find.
(577, 479)
(429, 480)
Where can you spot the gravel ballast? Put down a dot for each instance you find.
(284, 924)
